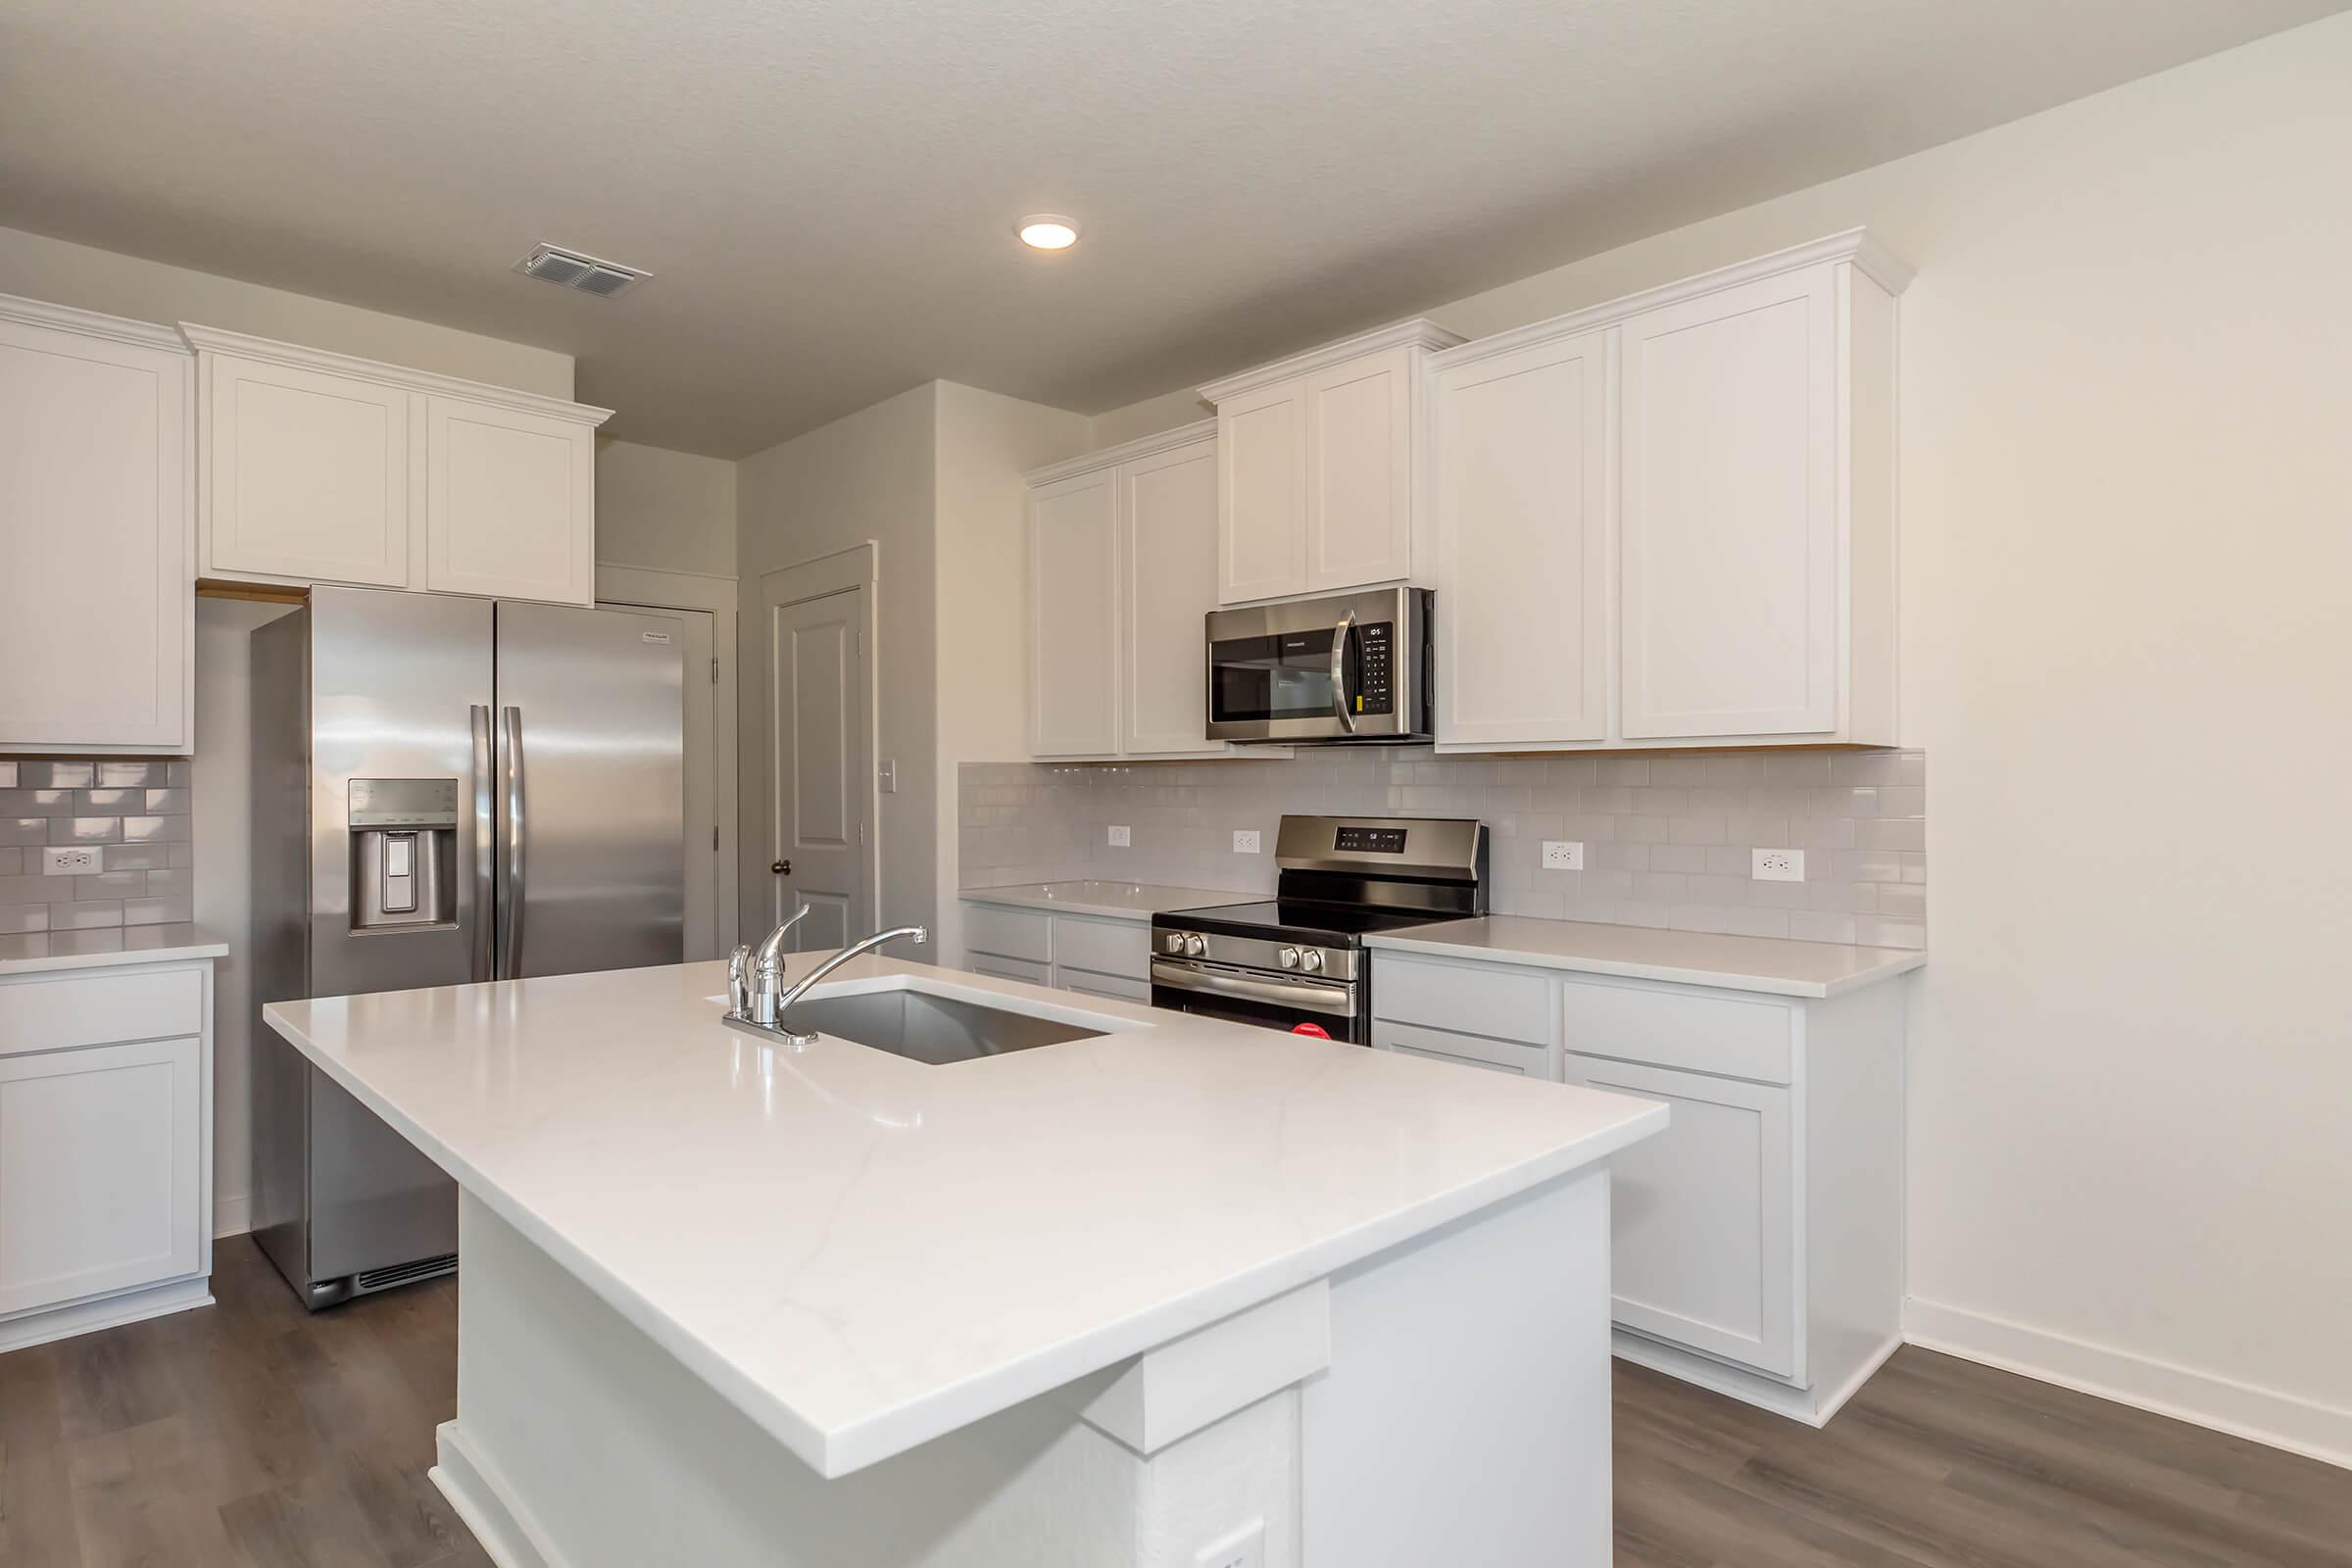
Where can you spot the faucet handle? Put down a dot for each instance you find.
(739, 980)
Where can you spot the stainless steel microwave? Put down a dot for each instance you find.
(1350, 667)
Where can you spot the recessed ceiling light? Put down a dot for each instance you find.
(1048, 231)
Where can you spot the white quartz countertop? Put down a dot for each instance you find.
(40, 951)
(1770, 964)
(1113, 901)
(863, 1253)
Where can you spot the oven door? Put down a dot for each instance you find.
(1256, 996)
(1341, 668)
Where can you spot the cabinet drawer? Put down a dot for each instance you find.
(1020, 969)
(1440, 1045)
(1106, 946)
(1698, 1031)
(1507, 1003)
(93, 1009)
(1117, 986)
(1009, 933)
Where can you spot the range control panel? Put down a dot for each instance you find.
(1369, 840)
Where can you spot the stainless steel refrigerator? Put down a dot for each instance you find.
(444, 790)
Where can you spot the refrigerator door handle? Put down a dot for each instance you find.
(510, 902)
(484, 958)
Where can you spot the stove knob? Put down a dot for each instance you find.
(1312, 962)
(1287, 957)
(1196, 947)
(1173, 941)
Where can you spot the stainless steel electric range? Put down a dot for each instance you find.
(1297, 961)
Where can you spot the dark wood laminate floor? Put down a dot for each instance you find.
(251, 1434)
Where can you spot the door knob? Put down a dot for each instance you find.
(782, 868)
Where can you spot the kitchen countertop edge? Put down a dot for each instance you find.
(1771, 965)
(30, 952)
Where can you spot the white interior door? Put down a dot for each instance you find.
(706, 929)
(820, 760)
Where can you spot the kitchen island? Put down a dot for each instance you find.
(1141, 1297)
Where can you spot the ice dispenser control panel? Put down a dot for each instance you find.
(403, 834)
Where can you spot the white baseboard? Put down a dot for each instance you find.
(232, 1215)
(2241, 1409)
(472, 1484)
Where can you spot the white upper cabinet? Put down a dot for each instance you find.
(1525, 460)
(1316, 455)
(1670, 521)
(97, 596)
(1122, 574)
(305, 475)
(1074, 595)
(319, 467)
(510, 502)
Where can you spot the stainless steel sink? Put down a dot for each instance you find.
(923, 1027)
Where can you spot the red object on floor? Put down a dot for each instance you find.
(1315, 1029)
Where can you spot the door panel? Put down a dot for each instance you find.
(595, 694)
(1074, 595)
(1523, 496)
(1168, 582)
(820, 764)
(1262, 494)
(1731, 613)
(509, 503)
(98, 1171)
(1359, 481)
(697, 644)
(309, 474)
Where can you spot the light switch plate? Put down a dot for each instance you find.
(1778, 866)
(1563, 854)
(1118, 838)
(69, 860)
(1246, 1548)
(1245, 841)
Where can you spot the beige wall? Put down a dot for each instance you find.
(668, 509)
(63, 273)
(2125, 400)
(867, 476)
(985, 443)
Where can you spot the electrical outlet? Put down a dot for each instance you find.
(1118, 838)
(1563, 855)
(1778, 866)
(69, 860)
(1246, 1548)
(1245, 841)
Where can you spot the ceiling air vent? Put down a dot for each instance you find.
(553, 264)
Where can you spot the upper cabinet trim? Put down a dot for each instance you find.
(216, 340)
(90, 323)
(1148, 446)
(1856, 245)
(1419, 332)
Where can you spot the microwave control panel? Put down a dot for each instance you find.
(1375, 662)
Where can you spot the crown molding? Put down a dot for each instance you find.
(1184, 435)
(1419, 332)
(89, 324)
(217, 340)
(1856, 245)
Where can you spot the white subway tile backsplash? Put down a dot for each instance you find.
(1668, 837)
(135, 814)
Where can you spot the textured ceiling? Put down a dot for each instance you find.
(825, 188)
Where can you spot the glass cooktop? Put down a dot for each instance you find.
(1274, 915)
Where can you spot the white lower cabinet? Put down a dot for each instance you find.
(1756, 1240)
(105, 1148)
(1082, 953)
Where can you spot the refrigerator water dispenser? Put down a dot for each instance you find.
(404, 852)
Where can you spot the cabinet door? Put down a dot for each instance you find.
(1704, 1228)
(1731, 593)
(1020, 969)
(1114, 987)
(99, 1185)
(1261, 493)
(1468, 1051)
(1525, 494)
(509, 503)
(1359, 477)
(1168, 585)
(1073, 598)
(305, 475)
(97, 599)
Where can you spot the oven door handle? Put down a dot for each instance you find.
(1307, 996)
(1339, 669)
